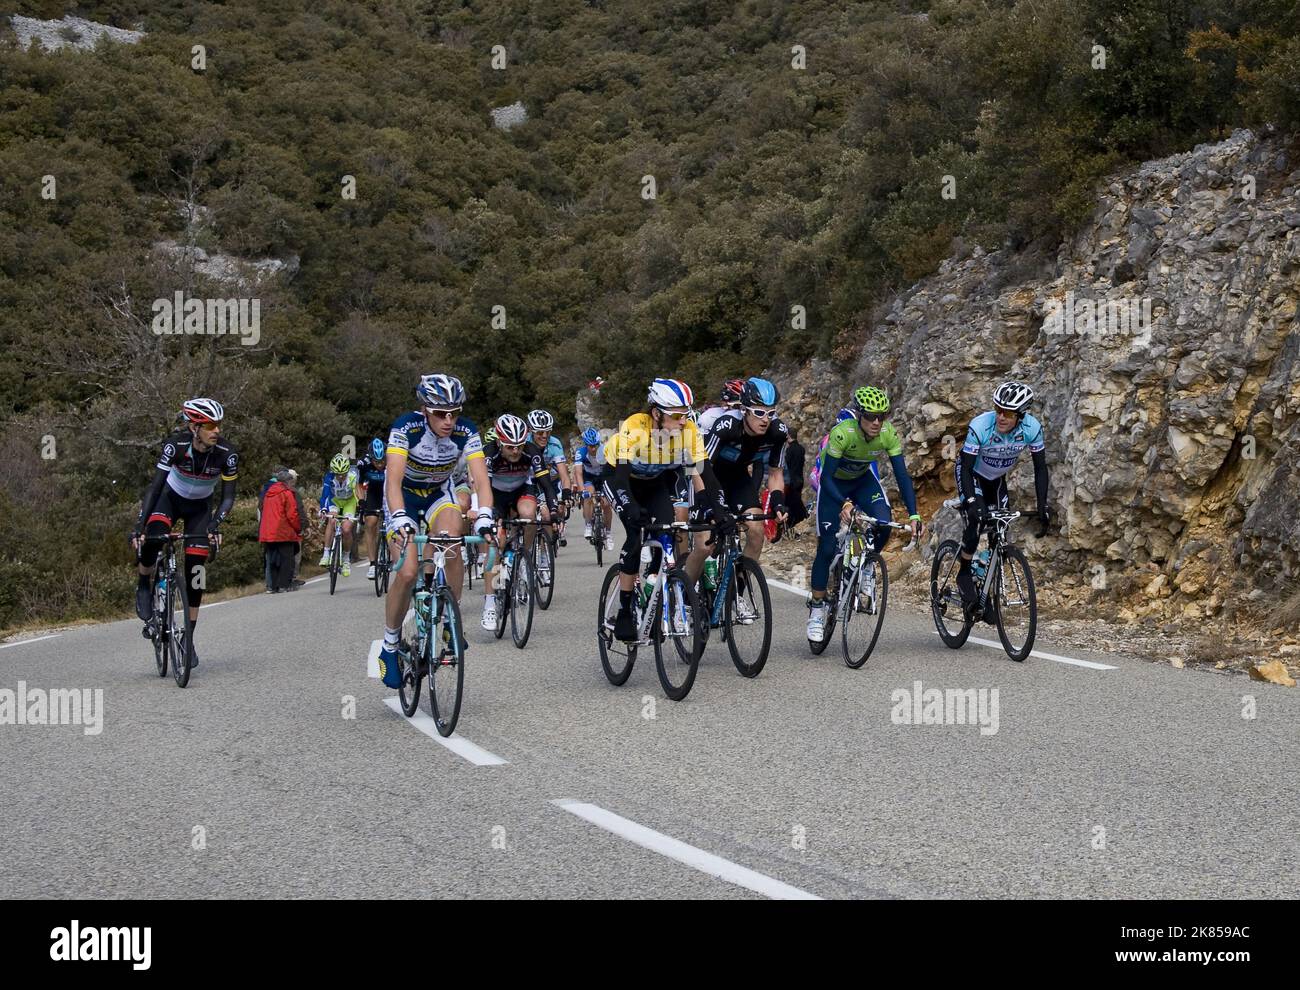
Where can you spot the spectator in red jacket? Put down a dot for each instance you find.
(280, 530)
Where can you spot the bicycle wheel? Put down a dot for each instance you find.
(523, 593)
(471, 562)
(616, 657)
(544, 549)
(1015, 603)
(832, 606)
(181, 633)
(447, 672)
(750, 638)
(863, 610)
(410, 660)
(501, 592)
(158, 599)
(335, 553)
(678, 619)
(381, 566)
(950, 615)
(598, 532)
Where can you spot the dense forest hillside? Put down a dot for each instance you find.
(699, 188)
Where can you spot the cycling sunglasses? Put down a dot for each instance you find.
(761, 413)
(871, 417)
(511, 446)
(443, 413)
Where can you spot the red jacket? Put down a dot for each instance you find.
(280, 520)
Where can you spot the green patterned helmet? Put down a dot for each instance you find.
(872, 400)
(340, 464)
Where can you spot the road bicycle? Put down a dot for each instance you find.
(515, 588)
(737, 602)
(336, 545)
(169, 625)
(434, 618)
(857, 591)
(668, 616)
(1004, 584)
(599, 533)
(545, 540)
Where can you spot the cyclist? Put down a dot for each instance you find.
(542, 423)
(371, 469)
(993, 444)
(745, 446)
(815, 475)
(731, 390)
(590, 471)
(183, 482)
(847, 481)
(339, 498)
(647, 454)
(425, 448)
(516, 468)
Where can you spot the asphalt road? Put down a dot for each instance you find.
(261, 780)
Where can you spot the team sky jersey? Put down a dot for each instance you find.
(431, 459)
(509, 476)
(340, 487)
(650, 452)
(998, 453)
(856, 452)
(371, 472)
(191, 474)
(734, 450)
(709, 417)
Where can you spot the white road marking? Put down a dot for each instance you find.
(459, 745)
(372, 662)
(1045, 656)
(24, 642)
(315, 579)
(212, 605)
(697, 859)
(803, 593)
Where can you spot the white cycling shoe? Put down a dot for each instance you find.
(370, 573)
(745, 613)
(586, 531)
(490, 614)
(816, 621)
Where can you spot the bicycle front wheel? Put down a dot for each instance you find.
(1015, 604)
(748, 618)
(158, 601)
(950, 614)
(863, 610)
(381, 566)
(523, 594)
(335, 564)
(180, 632)
(616, 657)
(447, 671)
(678, 621)
(544, 549)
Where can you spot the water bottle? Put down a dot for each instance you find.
(979, 565)
(710, 574)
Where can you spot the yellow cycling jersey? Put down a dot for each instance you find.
(651, 452)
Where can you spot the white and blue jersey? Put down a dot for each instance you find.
(592, 461)
(997, 453)
(430, 459)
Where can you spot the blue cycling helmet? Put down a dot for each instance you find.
(844, 414)
(590, 437)
(440, 392)
(758, 392)
(376, 449)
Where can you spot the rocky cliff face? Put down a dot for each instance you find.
(1162, 341)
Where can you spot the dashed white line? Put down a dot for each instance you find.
(372, 662)
(697, 859)
(315, 579)
(24, 642)
(802, 592)
(459, 745)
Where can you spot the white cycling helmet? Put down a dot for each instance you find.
(440, 392)
(1015, 396)
(541, 420)
(669, 393)
(511, 429)
(204, 411)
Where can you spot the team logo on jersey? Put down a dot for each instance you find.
(169, 450)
